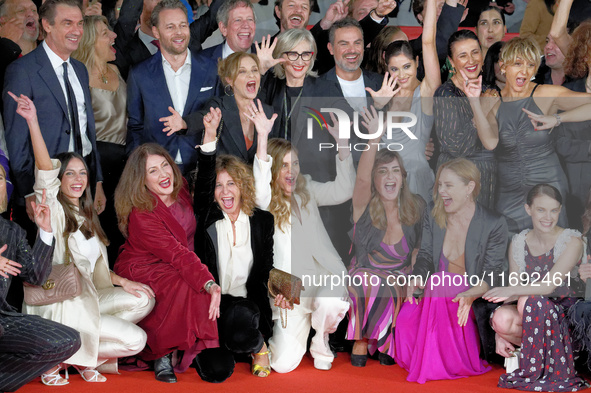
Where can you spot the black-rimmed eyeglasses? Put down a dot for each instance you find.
(294, 56)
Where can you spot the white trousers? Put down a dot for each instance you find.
(119, 334)
(288, 345)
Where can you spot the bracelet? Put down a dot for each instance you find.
(378, 15)
(558, 119)
(208, 285)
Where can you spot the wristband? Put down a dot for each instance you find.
(208, 285)
(558, 119)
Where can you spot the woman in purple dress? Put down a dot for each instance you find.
(463, 253)
(540, 260)
(386, 231)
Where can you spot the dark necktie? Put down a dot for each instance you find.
(73, 112)
(156, 43)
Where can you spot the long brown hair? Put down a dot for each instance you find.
(410, 209)
(242, 176)
(131, 192)
(467, 172)
(91, 225)
(280, 206)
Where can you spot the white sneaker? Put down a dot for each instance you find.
(322, 365)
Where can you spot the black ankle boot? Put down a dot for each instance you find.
(163, 369)
(358, 360)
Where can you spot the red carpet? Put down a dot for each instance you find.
(342, 378)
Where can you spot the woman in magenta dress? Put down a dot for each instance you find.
(542, 258)
(155, 214)
(437, 336)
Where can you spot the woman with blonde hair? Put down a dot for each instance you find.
(518, 127)
(108, 91)
(156, 216)
(302, 247)
(234, 240)
(437, 336)
(286, 66)
(240, 75)
(386, 232)
(105, 315)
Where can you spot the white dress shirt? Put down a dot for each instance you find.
(178, 86)
(227, 51)
(235, 259)
(57, 64)
(147, 40)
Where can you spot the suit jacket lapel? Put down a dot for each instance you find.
(47, 73)
(213, 235)
(157, 76)
(232, 120)
(197, 78)
(438, 236)
(474, 235)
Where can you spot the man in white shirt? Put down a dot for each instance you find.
(171, 81)
(63, 104)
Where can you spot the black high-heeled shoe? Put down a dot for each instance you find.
(358, 360)
(163, 370)
(386, 360)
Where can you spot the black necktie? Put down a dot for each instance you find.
(73, 111)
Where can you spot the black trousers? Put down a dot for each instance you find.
(113, 160)
(31, 345)
(238, 328)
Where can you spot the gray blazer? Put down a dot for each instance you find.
(486, 246)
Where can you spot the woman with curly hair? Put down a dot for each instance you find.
(235, 241)
(577, 62)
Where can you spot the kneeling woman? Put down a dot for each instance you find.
(235, 241)
(154, 209)
(437, 336)
(294, 200)
(104, 315)
(546, 254)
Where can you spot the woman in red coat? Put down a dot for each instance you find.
(155, 214)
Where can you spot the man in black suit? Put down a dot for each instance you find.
(49, 76)
(144, 44)
(29, 344)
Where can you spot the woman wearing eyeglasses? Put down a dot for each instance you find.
(291, 56)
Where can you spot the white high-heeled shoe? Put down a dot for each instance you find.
(54, 378)
(95, 376)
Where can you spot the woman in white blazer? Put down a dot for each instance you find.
(294, 199)
(104, 315)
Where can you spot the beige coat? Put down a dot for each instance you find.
(82, 312)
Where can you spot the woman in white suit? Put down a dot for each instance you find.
(104, 315)
(294, 199)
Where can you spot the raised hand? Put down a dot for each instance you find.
(173, 123)
(371, 121)
(94, 8)
(211, 122)
(337, 11)
(25, 108)
(11, 29)
(472, 87)
(386, 92)
(333, 130)
(262, 124)
(541, 122)
(42, 214)
(7, 266)
(265, 54)
(385, 7)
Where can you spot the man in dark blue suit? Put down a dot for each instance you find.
(59, 87)
(171, 81)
